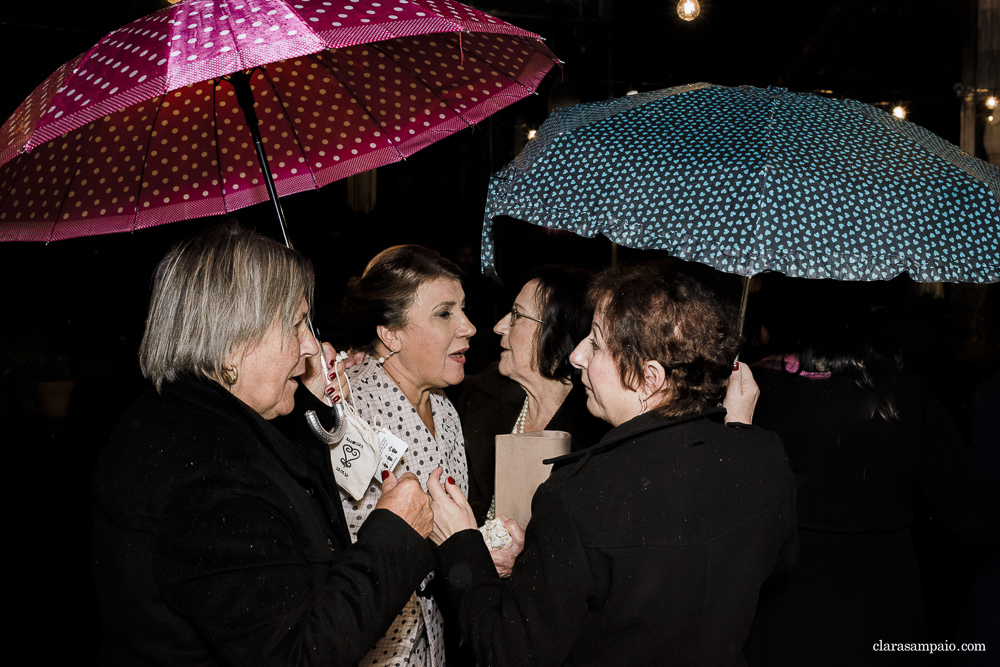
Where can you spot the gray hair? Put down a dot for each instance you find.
(214, 293)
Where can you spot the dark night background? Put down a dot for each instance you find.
(87, 297)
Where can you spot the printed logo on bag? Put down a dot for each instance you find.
(351, 453)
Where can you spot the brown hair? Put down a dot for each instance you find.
(655, 315)
(385, 291)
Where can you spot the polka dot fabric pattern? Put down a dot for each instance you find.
(141, 130)
(415, 637)
(749, 180)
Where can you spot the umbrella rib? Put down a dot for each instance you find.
(291, 124)
(15, 178)
(76, 174)
(433, 91)
(369, 111)
(218, 143)
(145, 161)
(429, 88)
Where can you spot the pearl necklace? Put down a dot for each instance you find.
(521, 418)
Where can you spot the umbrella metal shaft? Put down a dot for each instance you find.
(244, 95)
(240, 82)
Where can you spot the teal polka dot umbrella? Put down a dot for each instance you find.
(748, 180)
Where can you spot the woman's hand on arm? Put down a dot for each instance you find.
(404, 498)
(452, 512)
(742, 393)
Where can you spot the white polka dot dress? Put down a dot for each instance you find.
(415, 637)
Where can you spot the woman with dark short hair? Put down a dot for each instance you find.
(533, 387)
(217, 539)
(650, 547)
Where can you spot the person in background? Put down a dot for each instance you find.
(649, 547)
(217, 539)
(406, 313)
(872, 450)
(533, 387)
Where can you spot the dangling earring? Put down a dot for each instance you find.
(382, 360)
(642, 402)
(230, 375)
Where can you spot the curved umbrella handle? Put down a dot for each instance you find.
(336, 434)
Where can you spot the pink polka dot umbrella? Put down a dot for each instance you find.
(146, 127)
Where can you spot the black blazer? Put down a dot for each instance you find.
(648, 548)
(488, 404)
(219, 541)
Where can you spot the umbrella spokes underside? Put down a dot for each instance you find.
(324, 113)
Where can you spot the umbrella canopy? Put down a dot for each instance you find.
(141, 131)
(748, 180)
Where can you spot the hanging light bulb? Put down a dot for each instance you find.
(991, 102)
(688, 9)
(632, 91)
(899, 112)
(532, 134)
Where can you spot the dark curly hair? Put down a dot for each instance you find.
(654, 314)
(566, 313)
(386, 290)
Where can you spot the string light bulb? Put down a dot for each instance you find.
(991, 102)
(532, 134)
(688, 10)
(899, 112)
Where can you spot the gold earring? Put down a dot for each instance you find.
(230, 375)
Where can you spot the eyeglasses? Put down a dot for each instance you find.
(515, 314)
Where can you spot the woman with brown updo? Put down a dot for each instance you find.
(406, 313)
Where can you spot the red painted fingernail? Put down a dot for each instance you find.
(385, 475)
(736, 365)
(333, 375)
(330, 390)
(336, 399)
(451, 481)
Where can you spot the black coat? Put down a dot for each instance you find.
(863, 484)
(648, 548)
(488, 404)
(220, 541)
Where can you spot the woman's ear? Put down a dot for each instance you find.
(654, 378)
(388, 337)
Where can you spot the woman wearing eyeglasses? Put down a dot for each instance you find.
(533, 387)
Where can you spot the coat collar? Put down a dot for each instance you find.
(209, 395)
(631, 429)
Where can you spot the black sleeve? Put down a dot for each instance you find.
(535, 617)
(957, 499)
(233, 564)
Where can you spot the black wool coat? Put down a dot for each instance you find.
(219, 541)
(648, 548)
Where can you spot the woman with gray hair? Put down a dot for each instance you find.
(219, 540)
